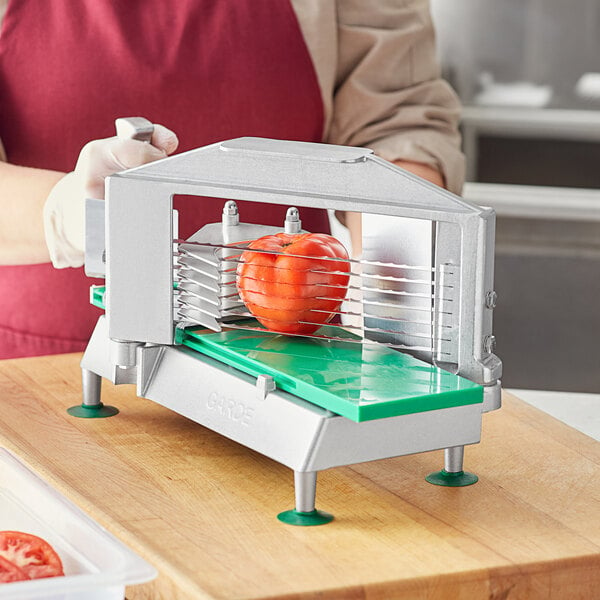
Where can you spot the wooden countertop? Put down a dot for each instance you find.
(203, 509)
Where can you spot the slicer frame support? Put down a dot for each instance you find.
(295, 433)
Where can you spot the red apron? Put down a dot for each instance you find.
(209, 70)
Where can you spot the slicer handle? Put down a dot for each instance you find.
(134, 128)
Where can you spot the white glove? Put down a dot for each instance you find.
(64, 210)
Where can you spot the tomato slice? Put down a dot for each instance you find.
(30, 554)
(10, 572)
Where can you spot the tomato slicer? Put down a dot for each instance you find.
(405, 366)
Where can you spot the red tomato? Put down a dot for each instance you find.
(30, 554)
(10, 572)
(293, 291)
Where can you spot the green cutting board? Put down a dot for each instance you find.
(359, 381)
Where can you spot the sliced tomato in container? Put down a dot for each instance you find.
(9, 572)
(30, 554)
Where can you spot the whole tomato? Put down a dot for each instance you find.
(291, 287)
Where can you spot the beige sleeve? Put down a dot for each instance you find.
(380, 81)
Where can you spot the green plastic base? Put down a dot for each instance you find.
(359, 382)
(97, 411)
(295, 517)
(459, 479)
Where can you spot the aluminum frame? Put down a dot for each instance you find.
(136, 341)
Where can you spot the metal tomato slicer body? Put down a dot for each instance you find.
(438, 308)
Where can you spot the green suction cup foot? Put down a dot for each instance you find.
(96, 411)
(295, 517)
(459, 479)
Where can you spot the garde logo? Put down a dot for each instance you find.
(229, 408)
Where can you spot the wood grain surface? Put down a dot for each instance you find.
(203, 509)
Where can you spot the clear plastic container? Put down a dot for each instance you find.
(97, 566)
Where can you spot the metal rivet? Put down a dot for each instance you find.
(231, 215)
(489, 344)
(292, 224)
(230, 208)
(490, 299)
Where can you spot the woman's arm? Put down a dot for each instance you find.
(389, 96)
(42, 212)
(388, 93)
(23, 192)
(352, 220)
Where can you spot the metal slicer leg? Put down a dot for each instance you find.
(305, 489)
(452, 475)
(305, 513)
(91, 406)
(453, 459)
(91, 385)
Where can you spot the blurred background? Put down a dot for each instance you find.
(528, 73)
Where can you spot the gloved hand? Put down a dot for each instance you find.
(64, 210)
